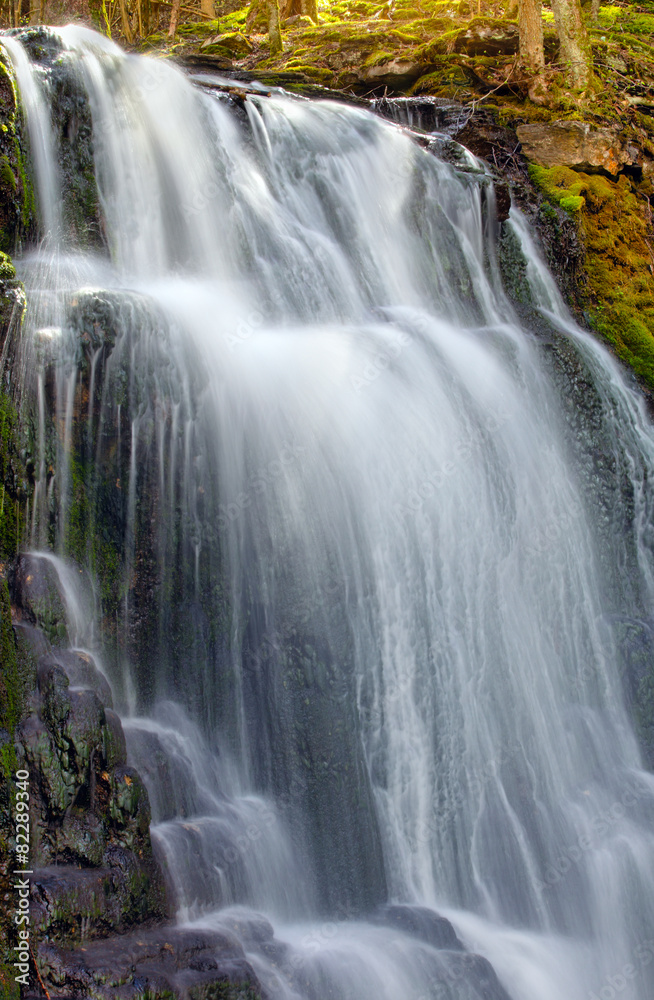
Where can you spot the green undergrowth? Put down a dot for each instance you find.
(619, 262)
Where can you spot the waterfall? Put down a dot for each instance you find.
(374, 551)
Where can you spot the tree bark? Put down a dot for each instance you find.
(124, 21)
(309, 8)
(575, 44)
(207, 7)
(274, 28)
(271, 10)
(532, 52)
(174, 18)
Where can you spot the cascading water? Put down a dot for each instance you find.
(379, 541)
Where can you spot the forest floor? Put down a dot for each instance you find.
(432, 47)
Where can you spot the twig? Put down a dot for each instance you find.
(475, 102)
(38, 974)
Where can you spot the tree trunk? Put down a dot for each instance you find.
(532, 53)
(274, 28)
(309, 8)
(207, 7)
(174, 18)
(594, 10)
(124, 21)
(575, 44)
(530, 27)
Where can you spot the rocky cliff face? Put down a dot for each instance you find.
(94, 876)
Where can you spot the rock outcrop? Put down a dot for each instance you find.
(580, 146)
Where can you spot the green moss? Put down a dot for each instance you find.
(217, 50)
(615, 229)
(12, 694)
(9, 988)
(378, 58)
(572, 203)
(11, 511)
(7, 176)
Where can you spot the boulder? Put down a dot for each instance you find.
(83, 672)
(129, 806)
(115, 747)
(36, 592)
(485, 39)
(420, 922)
(171, 961)
(394, 74)
(31, 640)
(580, 146)
(232, 41)
(74, 903)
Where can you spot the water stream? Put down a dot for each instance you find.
(379, 551)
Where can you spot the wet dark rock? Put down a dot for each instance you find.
(32, 640)
(476, 972)
(82, 672)
(420, 922)
(426, 113)
(170, 777)
(68, 902)
(17, 202)
(198, 964)
(56, 784)
(35, 590)
(97, 873)
(114, 745)
(129, 806)
(72, 132)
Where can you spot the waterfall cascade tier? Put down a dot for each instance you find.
(373, 556)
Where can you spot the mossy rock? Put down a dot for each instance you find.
(618, 261)
(234, 43)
